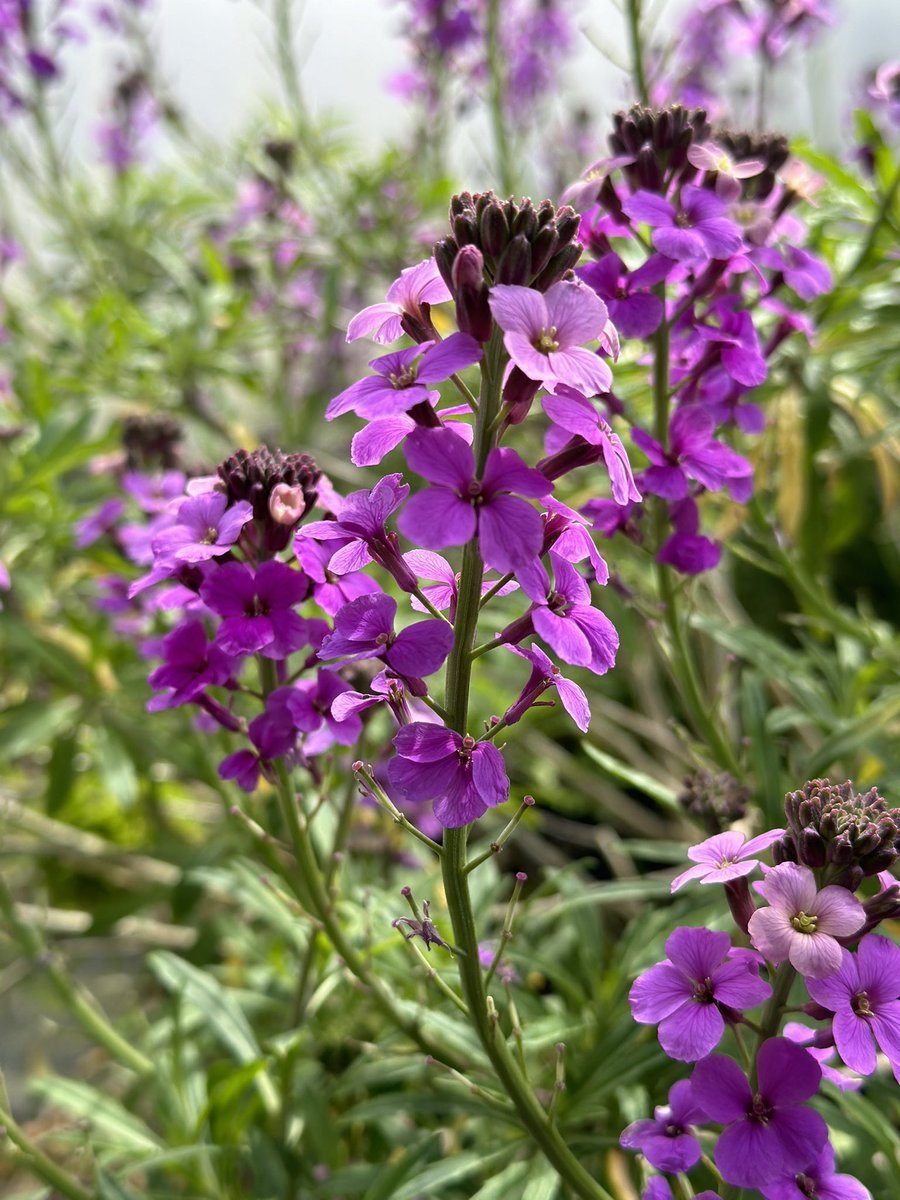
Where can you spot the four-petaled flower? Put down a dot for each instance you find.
(258, 608)
(817, 1181)
(544, 334)
(801, 923)
(864, 995)
(768, 1131)
(693, 453)
(692, 233)
(463, 777)
(725, 856)
(509, 530)
(364, 628)
(205, 528)
(684, 994)
(410, 296)
(667, 1142)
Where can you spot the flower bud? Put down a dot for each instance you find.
(515, 265)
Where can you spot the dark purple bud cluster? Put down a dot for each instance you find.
(853, 835)
(281, 488)
(657, 140)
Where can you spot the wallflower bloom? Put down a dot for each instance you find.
(258, 608)
(417, 286)
(191, 664)
(694, 232)
(667, 1141)
(405, 378)
(203, 528)
(510, 532)
(364, 628)
(768, 1133)
(817, 1181)
(564, 617)
(463, 777)
(544, 334)
(725, 856)
(807, 1038)
(575, 414)
(683, 994)
(801, 924)
(635, 312)
(693, 453)
(864, 995)
(545, 674)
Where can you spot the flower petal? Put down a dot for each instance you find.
(692, 1031)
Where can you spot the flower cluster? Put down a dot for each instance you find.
(698, 253)
(812, 934)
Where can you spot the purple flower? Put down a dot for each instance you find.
(543, 333)
(667, 1141)
(404, 378)
(687, 550)
(410, 296)
(768, 1133)
(509, 530)
(330, 591)
(544, 675)
(310, 705)
(273, 735)
(258, 608)
(564, 618)
(817, 1181)
(576, 415)
(636, 313)
(801, 924)
(364, 628)
(203, 528)
(694, 232)
(725, 856)
(191, 664)
(360, 530)
(741, 355)
(154, 493)
(864, 995)
(683, 994)
(693, 454)
(463, 777)
(444, 594)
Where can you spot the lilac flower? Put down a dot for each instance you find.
(191, 664)
(449, 514)
(364, 628)
(258, 607)
(715, 160)
(463, 777)
(564, 618)
(817, 1181)
(809, 1040)
(404, 378)
(736, 335)
(864, 995)
(693, 454)
(576, 415)
(684, 993)
(360, 530)
(154, 493)
(310, 703)
(203, 528)
(768, 1133)
(687, 550)
(725, 856)
(808, 275)
(410, 296)
(330, 591)
(272, 736)
(667, 1141)
(544, 675)
(801, 924)
(443, 595)
(635, 312)
(694, 232)
(566, 534)
(543, 333)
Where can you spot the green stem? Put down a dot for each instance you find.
(637, 50)
(38, 1162)
(94, 1023)
(482, 1012)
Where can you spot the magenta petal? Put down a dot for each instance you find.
(879, 965)
(437, 518)
(772, 933)
(836, 990)
(421, 649)
(749, 1154)
(489, 774)
(519, 310)
(426, 743)
(439, 456)
(815, 955)
(649, 209)
(244, 635)
(787, 1074)
(444, 359)
(563, 636)
(853, 1038)
(658, 993)
(461, 804)
(582, 369)
(379, 438)
(697, 952)
(692, 1032)
(886, 1027)
(510, 533)
(699, 871)
(761, 842)
(801, 1134)
(420, 781)
(737, 984)
(577, 312)
(724, 1088)
(575, 702)
(678, 1153)
(507, 471)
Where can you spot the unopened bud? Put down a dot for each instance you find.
(287, 504)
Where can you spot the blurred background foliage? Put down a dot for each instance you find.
(215, 293)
